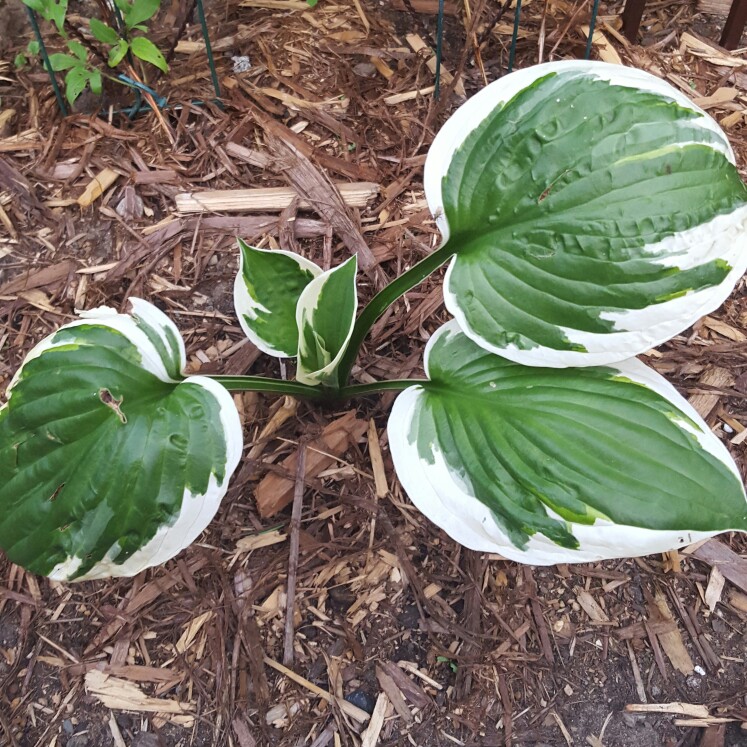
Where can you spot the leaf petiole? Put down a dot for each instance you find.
(304, 391)
(384, 299)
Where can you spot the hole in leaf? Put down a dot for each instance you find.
(106, 397)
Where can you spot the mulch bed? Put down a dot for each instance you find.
(442, 645)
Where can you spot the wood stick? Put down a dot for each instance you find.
(295, 535)
(351, 710)
(357, 194)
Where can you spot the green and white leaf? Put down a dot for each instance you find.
(265, 295)
(325, 316)
(593, 211)
(110, 460)
(546, 465)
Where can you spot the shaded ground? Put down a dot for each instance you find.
(457, 648)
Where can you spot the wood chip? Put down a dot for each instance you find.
(724, 329)
(714, 376)
(39, 278)
(377, 461)
(738, 600)
(607, 53)
(256, 541)
(709, 52)
(678, 708)
(357, 195)
(639, 688)
(421, 48)
(241, 730)
(275, 492)
(389, 686)
(410, 689)
(732, 566)
(671, 642)
(590, 606)
(370, 737)
(121, 694)
(97, 186)
(353, 711)
(719, 96)
(715, 586)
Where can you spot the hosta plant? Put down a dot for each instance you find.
(588, 212)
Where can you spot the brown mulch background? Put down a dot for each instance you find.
(450, 647)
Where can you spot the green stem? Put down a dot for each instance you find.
(383, 300)
(394, 385)
(295, 389)
(275, 386)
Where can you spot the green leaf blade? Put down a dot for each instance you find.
(325, 316)
(110, 465)
(140, 11)
(593, 212)
(76, 80)
(545, 465)
(266, 292)
(102, 32)
(147, 51)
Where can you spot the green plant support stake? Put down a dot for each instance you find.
(47, 62)
(592, 26)
(208, 48)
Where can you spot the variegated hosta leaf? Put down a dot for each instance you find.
(265, 294)
(593, 210)
(549, 466)
(110, 460)
(325, 317)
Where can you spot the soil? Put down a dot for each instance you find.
(479, 650)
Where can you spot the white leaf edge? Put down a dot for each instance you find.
(470, 114)
(197, 510)
(446, 499)
(724, 237)
(307, 305)
(244, 304)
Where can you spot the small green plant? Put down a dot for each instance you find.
(588, 213)
(76, 63)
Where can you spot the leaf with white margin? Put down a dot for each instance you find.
(265, 294)
(593, 211)
(110, 460)
(325, 317)
(550, 466)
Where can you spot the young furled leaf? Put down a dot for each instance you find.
(110, 460)
(146, 50)
(593, 211)
(325, 316)
(265, 295)
(547, 465)
(117, 52)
